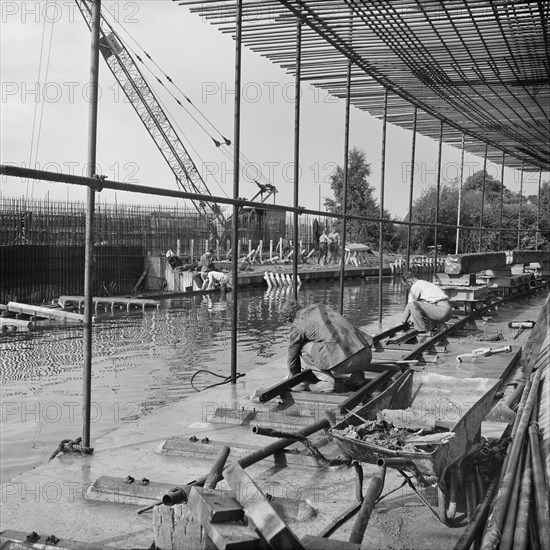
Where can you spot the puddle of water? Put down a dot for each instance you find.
(144, 360)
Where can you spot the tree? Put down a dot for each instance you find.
(360, 202)
(496, 214)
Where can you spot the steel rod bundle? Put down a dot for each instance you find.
(502, 502)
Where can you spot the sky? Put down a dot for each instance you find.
(44, 69)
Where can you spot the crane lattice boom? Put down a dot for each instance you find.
(149, 110)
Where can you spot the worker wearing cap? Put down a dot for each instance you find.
(428, 306)
(206, 265)
(327, 343)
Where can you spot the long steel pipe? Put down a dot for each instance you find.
(90, 207)
(411, 187)
(345, 189)
(381, 225)
(236, 175)
(480, 244)
(540, 486)
(521, 533)
(374, 489)
(495, 523)
(439, 167)
(537, 229)
(519, 207)
(501, 202)
(297, 155)
(461, 182)
(100, 184)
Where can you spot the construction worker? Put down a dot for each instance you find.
(217, 278)
(206, 264)
(333, 246)
(428, 305)
(323, 340)
(324, 242)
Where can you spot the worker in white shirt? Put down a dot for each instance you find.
(428, 306)
(217, 278)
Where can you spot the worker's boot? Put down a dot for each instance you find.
(355, 380)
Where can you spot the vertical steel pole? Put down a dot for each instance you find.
(345, 188)
(411, 188)
(90, 205)
(482, 199)
(381, 225)
(439, 156)
(520, 201)
(297, 154)
(538, 213)
(236, 168)
(460, 196)
(501, 202)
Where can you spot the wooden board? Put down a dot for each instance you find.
(46, 312)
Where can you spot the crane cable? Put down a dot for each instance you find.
(218, 143)
(31, 164)
(180, 133)
(228, 154)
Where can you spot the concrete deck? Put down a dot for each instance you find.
(52, 498)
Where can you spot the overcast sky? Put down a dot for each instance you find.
(44, 112)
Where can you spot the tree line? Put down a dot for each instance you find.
(481, 194)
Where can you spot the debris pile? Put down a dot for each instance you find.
(384, 432)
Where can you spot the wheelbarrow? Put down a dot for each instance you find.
(456, 406)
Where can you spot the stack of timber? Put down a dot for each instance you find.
(30, 317)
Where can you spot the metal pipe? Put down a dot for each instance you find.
(374, 489)
(297, 154)
(272, 448)
(439, 155)
(501, 202)
(90, 206)
(236, 168)
(479, 248)
(411, 187)
(460, 195)
(507, 537)
(521, 533)
(540, 486)
(215, 473)
(313, 450)
(538, 213)
(519, 208)
(99, 184)
(381, 225)
(345, 188)
(477, 522)
(495, 525)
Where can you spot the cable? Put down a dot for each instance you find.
(225, 381)
(169, 79)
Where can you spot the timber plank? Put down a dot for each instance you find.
(295, 456)
(115, 489)
(259, 510)
(17, 540)
(48, 313)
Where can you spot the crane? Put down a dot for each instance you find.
(151, 113)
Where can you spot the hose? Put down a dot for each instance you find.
(225, 380)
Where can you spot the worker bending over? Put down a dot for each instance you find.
(324, 340)
(217, 278)
(428, 305)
